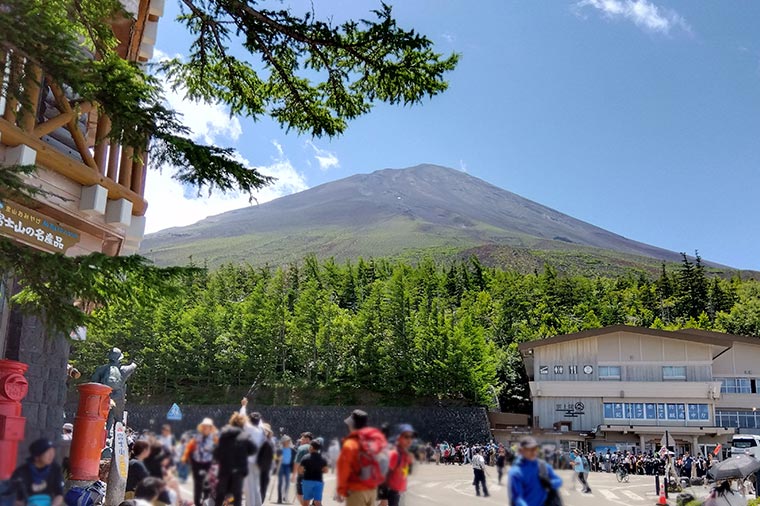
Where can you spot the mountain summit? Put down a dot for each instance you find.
(390, 212)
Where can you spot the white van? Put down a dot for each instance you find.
(746, 443)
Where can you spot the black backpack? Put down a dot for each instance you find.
(552, 494)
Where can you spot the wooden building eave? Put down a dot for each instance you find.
(56, 161)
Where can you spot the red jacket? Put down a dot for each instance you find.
(400, 461)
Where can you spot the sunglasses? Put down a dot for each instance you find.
(406, 436)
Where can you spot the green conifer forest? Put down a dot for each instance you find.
(387, 332)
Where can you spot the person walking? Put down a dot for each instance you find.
(358, 471)
(332, 454)
(264, 459)
(286, 457)
(167, 439)
(301, 452)
(256, 435)
(501, 462)
(312, 468)
(580, 466)
(199, 453)
(479, 472)
(232, 454)
(399, 465)
(532, 482)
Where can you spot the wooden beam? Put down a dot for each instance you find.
(73, 126)
(113, 161)
(52, 124)
(54, 160)
(125, 166)
(101, 141)
(138, 175)
(11, 100)
(32, 85)
(57, 122)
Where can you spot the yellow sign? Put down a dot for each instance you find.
(121, 450)
(35, 229)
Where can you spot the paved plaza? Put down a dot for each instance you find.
(452, 486)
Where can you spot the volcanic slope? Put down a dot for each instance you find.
(403, 213)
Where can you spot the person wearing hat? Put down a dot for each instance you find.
(355, 485)
(199, 453)
(531, 480)
(286, 456)
(39, 479)
(67, 432)
(399, 465)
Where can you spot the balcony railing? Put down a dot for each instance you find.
(70, 136)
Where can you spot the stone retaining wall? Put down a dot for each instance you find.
(432, 424)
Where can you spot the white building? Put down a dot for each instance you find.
(621, 387)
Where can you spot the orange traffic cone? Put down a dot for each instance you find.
(662, 501)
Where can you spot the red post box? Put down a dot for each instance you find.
(13, 388)
(89, 431)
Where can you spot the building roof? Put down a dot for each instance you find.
(693, 335)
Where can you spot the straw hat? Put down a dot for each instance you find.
(207, 422)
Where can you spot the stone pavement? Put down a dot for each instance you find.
(452, 486)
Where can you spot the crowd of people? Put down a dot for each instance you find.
(245, 462)
(648, 463)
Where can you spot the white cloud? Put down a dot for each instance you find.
(206, 122)
(326, 159)
(172, 204)
(168, 205)
(642, 13)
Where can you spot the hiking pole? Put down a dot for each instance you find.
(254, 385)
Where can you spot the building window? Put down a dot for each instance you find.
(699, 412)
(615, 410)
(609, 372)
(651, 411)
(735, 385)
(740, 419)
(674, 372)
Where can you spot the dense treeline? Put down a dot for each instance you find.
(382, 331)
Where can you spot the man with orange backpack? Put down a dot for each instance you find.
(363, 462)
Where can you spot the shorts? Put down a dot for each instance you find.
(312, 490)
(299, 485)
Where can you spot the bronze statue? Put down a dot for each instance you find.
(115, 376)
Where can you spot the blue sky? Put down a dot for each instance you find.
(641, 117)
